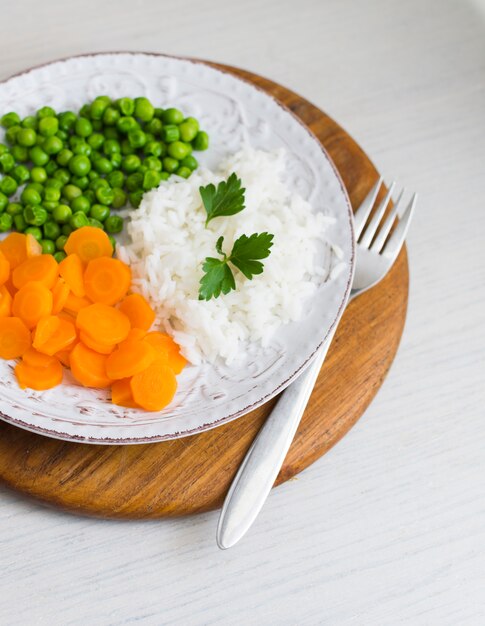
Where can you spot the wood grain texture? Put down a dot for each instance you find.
(193, 474)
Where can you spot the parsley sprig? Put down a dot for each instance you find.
(227, 199)
(246, 255)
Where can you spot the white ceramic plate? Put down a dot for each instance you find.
(230, 110)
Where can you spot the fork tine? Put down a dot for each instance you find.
(362, 213)
(370, 231)
(393, 246)
(380, 240)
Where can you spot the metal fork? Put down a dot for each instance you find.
(377, 249)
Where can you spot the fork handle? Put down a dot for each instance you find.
(263, 461)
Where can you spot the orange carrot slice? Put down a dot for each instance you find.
(17, 247)
(103, 323)
(64, 357)
(106, 280)
(135, 334)
(37, 359)
(60, 293)
(15, 338)
(44, 330)
(4, 268)
(5, 302)
(89, 243)
(140, 313)
(89, 367)
(42, 269)
(74, 304)
(102, 348)
(71, 269)
(155, 387)
(39, 378)
(121, 393)
(54, 334)
(165, 345)
(129, 359)
(32, 302)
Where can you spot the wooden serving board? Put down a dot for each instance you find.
(193, 474)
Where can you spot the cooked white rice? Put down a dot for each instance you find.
(168, 243)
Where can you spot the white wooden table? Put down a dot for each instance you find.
(389, 527)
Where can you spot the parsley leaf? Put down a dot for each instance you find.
(245, 255)
(227, 199)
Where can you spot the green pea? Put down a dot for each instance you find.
(105, 195)
(81, 203)
(119, 199)
(30, 196)
(10, 119)
(190, 162)
(7, 162)
(178, 150)
(158, 113)
(3, 148)
(134, 181)
(67, 230)
(60, 256)
(38, 156)
(151, 179)
(189, 129)
(170, 133)
(99, 212)
(82, 149)
(96, 141)
(111, 146)
(67, 119)
(201, 141)
(12, 132)
(144, 109)
(154, 127)
(5, 222)
(127, 148)
(80, 165)
(116, 179)
(153, 148)
(21, 174)
(62, 135)
(127, 123)
(83, 127)
(26, 137)
(19, 223)
(51, 229)
(130, 163)
(38, 175)
(183, 172)
(3, 202)
(50, 205)
(48, 126)
(61, 242)
(152, 163)
(14, 208)
(52, 195)
(95, 223)
(172, 116)
(35, 215)
(142, 169)
(113, 224)
(20, 153)
(103, 166)
(164, 175)
(55, 183)
(46, 112)
(170, 164)
(69, 192)
(78, 220)
(126, 106)
(85, 111)
(111, 116)
(135, 198)
(35, 231)
(48, 246)
(98, 107)
(93, 175)
(62, 213)
(51, 167)
(137, 138)
(115, 160)
(30, 121)
(8, 185)
(52, 145)
(80, 181)
(97, 183)
(40, 140)
(64, 157)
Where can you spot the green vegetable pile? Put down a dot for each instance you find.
(76, 169)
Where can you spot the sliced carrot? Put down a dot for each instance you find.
(155, 387)
(15, 338)
(17, 247)
(135, 334)
(74, 304)
(102, 348)
(103, 323)
(64, 357)
(89, 367)
(106, 280)
(5, 302)
(140, 313)
(121, 393)
(43, 269)
(32, 302)
(37, 359)
(71, 269)
(51, 338)
(89, 243)
(4, 269)
(129, 359)
(60, 293)
(165, 345)
(39, 378)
